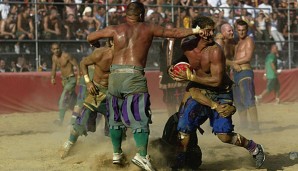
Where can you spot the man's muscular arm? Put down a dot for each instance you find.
(217, 69)
(99, 34)
(249, 49)
(159, 31)
(224, 110)
(92, 59)
(53, 72)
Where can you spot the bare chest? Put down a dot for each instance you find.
(62, 62)
(229, 50)
(199, 61)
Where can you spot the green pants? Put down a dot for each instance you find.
(68, 93)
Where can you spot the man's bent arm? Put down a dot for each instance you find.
(89, 60)
(201, 98)
(84, 65)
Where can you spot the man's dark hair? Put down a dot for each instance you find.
(135, 9)
(202, 22)
(241, 23)
(56, 43)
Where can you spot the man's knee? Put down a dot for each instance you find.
(183, 136)
(232, 138)
(225, 138)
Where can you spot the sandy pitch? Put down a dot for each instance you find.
(31, 142)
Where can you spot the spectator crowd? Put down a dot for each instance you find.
(73, 20)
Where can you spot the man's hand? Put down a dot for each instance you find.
(53, 81)
(189, 75)
(196, 30)
(236, 67)
(91, 88)
(175, 76)
(225, 110)
(30, 35)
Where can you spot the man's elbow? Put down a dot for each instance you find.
(82, 64)
(89, 38)
(216, 83)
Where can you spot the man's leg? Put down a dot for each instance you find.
(141, 139)
(68, 88)
(191, 115)
(79, 128)
(253, 113)
(79, 103)
(249, 103)
(75, 114)
(62, 107)
(243, 119)
(116, 126)
(142, 159)
(256, 150)
(116, 137)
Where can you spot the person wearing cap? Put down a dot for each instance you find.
(128, 100)
(91, 22)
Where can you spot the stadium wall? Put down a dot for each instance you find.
(33, 92)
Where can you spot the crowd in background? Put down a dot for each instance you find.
(73, 20)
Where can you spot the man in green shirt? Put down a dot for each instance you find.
(271, 74)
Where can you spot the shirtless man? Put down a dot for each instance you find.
(65, 62)
(244, 92)
(95, 102)
(127, 83)
(226, 40)
(209, 77)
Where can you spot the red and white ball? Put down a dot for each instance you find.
(181, 66)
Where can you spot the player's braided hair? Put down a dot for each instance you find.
(202, 22)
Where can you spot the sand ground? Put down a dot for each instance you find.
(29, 141)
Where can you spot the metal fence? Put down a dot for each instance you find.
(38, 49)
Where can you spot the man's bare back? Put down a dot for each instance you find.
(133, 39)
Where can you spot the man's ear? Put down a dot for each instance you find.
(141, 17)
